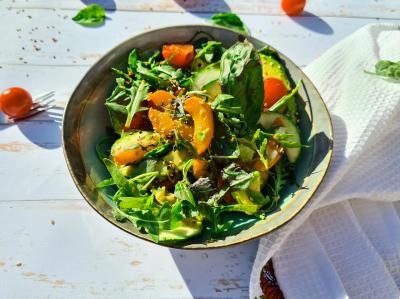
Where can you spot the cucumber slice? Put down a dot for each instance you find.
(282, 124)
(213, 89)
(205, 76)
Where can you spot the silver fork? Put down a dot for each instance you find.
(41, 103)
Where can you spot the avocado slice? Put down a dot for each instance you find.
(187, 228)
(142, 140)
(213, 89)
(272, 68)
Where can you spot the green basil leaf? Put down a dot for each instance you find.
(231, 21)
(91, 15)
(387, 69)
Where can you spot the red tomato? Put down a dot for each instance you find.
(274, 90)
(182, 55)
(15, 101)
(293, 7)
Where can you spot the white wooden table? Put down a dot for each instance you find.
(52, 244)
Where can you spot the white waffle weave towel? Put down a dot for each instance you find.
(346, 244)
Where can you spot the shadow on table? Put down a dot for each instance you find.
(218, 272)
(109, 5)
(206, 6)
(47, 136)
(313, 23)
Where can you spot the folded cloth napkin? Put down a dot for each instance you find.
(341, 245)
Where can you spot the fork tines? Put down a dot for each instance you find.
(40, 103)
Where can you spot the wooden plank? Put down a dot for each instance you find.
(57, 40)
(33, 166)
(355, 8)
(34, 146)
(66, 250)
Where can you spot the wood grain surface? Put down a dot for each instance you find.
(51, 242)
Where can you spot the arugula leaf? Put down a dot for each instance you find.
(183, 144)
(182, 192)
(225, 148)
(159, 151)
(288, 100)
(227, 104)
(260, 140)
(284, 139)
(387, 69)
(241, 77)
(231, 21)
(132, 60)
(144, 166)
(238, 178)
(203, 188)
(121, 182)
(144, 180)
(185, 170)
(91, 15)
(279, 178)
(137, 95)
(141, 202)
(210, 51)
(212, 215)
(146, 74)
(116, 107)
(105, 183)
(123, 74)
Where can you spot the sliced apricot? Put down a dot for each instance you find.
(203, 120)
(199, 168)
(162, 122)
(161, 98)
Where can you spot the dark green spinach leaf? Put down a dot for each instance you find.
(241, 77)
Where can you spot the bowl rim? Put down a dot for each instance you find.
(329, 154)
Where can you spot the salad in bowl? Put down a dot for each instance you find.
(200, 132)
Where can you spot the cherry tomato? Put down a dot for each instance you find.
(274, 89)
(293, 7)
(15, 102)
(182, 55)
